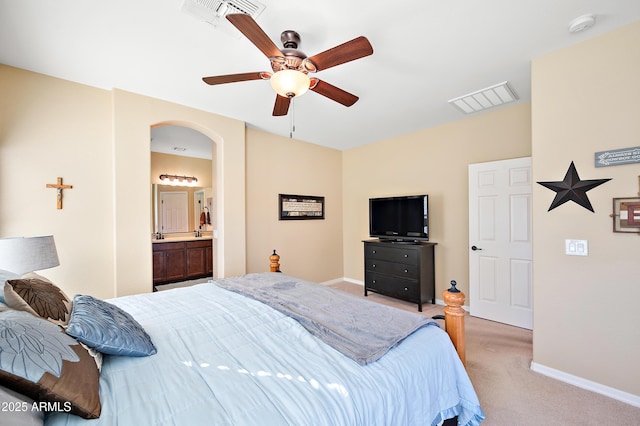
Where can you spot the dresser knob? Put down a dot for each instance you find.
(406, 255)
(406, 289)
(373, 266)
(405, 271)
(374, 281)
(373, 251)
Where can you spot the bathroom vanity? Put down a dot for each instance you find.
(181, 259)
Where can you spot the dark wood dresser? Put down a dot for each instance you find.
(402, 270)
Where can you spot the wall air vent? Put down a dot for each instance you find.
(214, 11)
(490, 97)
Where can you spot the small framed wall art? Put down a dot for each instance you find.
(300, 207)
(626, 214)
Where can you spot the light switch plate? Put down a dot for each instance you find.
(576, 247)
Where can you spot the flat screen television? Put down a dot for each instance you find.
(403, 218)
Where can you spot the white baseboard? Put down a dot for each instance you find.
(619, 395)
(331, 282)
(339, 280)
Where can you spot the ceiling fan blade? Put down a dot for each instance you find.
(248, 26)
(233, 78)
(355, 49)
(281, 106)
(335, 93)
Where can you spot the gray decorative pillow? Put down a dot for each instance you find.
(37, 295)
(107, 328)
(38, 360)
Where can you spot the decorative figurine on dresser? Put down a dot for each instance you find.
(400, 261)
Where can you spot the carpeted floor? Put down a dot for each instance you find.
(510, 393)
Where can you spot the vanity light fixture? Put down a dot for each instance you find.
(178, 180)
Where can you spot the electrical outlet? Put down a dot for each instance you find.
(576, 247)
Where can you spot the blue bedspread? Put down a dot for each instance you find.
(224, 359)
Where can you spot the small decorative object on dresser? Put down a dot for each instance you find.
(400, 269)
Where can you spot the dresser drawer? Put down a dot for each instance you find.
(391, 286)
(401, 270)
(391, 254)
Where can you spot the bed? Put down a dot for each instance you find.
(224, 355)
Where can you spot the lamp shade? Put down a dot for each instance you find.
(22, 255)
(290, 83)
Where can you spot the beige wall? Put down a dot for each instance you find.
(182, 166)
(433, 161)
(586, 312)
(310, 249)
(99, 141)
(51, 128)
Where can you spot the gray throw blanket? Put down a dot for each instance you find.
(358, 328)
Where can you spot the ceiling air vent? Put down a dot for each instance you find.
(490, 97)
(214, 11)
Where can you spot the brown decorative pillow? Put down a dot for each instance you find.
(38, 296)
(43, 363)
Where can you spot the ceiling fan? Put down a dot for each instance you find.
(291, 67)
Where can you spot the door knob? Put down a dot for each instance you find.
(474, 248)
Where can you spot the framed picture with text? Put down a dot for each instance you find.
(300, 207)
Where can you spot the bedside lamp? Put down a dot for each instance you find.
(28, 254)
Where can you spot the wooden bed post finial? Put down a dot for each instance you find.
(275, 262)
(454, 318)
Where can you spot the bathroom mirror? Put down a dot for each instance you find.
(181, 209)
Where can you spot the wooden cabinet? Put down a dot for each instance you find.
(401, 270)
(197, 258)
(182, 260)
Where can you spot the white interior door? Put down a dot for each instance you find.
(174, 212)
(500, 252)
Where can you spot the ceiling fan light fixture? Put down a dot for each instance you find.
(290, 83)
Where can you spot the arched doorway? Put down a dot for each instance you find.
(182, 152)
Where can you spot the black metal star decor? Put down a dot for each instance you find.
(572, 189)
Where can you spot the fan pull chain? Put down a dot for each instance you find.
(292, 125)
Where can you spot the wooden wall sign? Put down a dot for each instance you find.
(299, 207)
(617, 157)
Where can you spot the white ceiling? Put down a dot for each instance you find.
(183, 141)
(425, 53)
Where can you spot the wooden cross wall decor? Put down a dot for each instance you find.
(59, 187)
